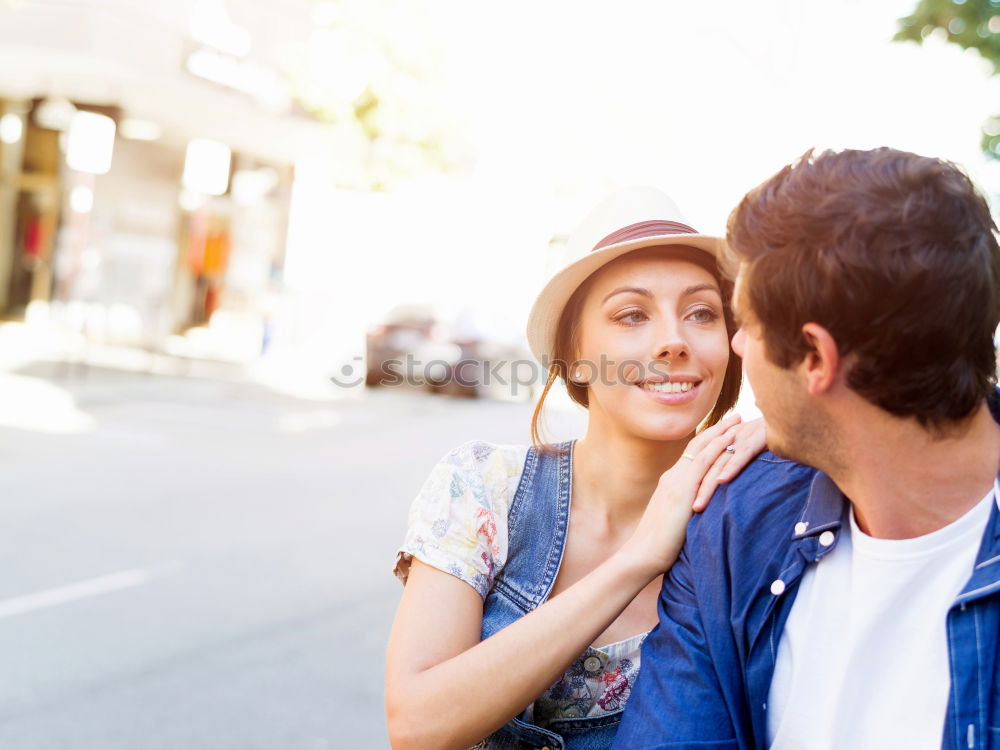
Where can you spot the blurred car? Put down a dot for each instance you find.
(407, 349)
(412, 348)
(404, 330)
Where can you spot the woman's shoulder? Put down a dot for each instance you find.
(475, 473)
(458, 521)
(480, 473)
(489, 460)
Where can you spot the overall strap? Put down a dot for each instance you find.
(537, 526)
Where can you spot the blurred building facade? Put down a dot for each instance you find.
(147, 156)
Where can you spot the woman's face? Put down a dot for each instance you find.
(653, 346)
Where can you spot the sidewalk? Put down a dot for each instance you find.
(71, 357)
(23, 343)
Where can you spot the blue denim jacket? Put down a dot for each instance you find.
(537, 526)
(707, 666)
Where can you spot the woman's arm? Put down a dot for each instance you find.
(446, 689)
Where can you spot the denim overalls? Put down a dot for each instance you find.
(537, 525)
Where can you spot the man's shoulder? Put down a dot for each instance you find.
(766, 497)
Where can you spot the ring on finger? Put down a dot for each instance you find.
(731, 448)
(688, 456)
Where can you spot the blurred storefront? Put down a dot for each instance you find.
(146, 165)
(30, 202)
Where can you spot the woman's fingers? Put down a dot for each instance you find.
(707, 464)
(670, 506)
(750, 439)
(703, 461)
(746, 441)
(699, 441)
(710, 481)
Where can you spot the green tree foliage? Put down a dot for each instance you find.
(971, 24)
(371, 71)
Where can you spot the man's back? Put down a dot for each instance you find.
(708, 665)
(715, 601)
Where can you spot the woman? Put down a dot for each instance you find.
(511, 600)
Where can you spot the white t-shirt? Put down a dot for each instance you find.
(863, 660)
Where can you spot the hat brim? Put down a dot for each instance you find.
(545, 313)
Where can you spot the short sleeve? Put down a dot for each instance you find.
(458, 521)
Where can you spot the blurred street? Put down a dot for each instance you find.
(196, 563)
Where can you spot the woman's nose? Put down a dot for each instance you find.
(672, 346)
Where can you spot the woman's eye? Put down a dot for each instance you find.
(632, 317)
(704, 315)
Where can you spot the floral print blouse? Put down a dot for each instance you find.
(458, 524)
(597, 683)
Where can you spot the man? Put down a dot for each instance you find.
(855, 605)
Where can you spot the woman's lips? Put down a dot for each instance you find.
(664, 397)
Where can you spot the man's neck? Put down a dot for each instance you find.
(905, 481)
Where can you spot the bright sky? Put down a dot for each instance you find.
(564, 101)
(705, 99)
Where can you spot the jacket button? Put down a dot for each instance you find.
(592, 664)
(826, 538)
(778, 587)
(801, 526)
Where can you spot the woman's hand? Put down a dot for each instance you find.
(749, 439)
(688, 485)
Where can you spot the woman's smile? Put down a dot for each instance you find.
(674, 392)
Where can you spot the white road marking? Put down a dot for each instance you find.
(85, 589)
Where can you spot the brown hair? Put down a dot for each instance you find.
(895, 255)
(567, 341)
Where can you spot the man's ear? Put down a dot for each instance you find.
(822, 364)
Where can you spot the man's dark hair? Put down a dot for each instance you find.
(895, 255)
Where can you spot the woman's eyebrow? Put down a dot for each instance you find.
(646, 293)
(624, 289)
(701, 288)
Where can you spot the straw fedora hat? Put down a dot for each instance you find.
(629, 219)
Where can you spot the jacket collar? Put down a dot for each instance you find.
(985, 578)
(993, 540)
(826, 504)
(824, 508)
